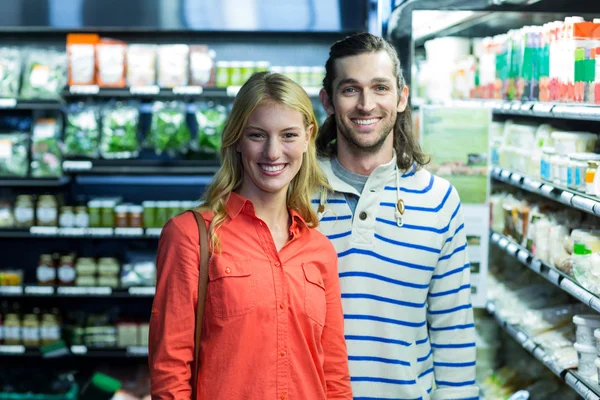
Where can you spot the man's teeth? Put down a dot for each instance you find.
(272, 168)
(366, 121)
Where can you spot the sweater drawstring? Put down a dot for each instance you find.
(322, 199)
(400, 204)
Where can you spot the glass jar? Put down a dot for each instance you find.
(85, 266)
(173, 208)
(135, 216)
(7, 219)
(95, 213)
(66, 219)
(162, 213)
(235, 73)
(46, 271)
(590, 174)
(82, 218)
(24, 212)
(12, 329)
(50, 331)
(149, 213)
(66, 271)
(120, 220)
(222, 78)
(108, 213)
(247, 69)
(545, 166)
(108, 266)
(304, 76)
(31, 330)
(47, 211)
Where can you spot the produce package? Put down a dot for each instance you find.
(45, 74)
(211, 118)
(202, 66)
(173, 65)
(141, 64)
(46, 156)
(119, 132)
(168, 130)
(81, 53)
(13, 155)
(10, 71)
(111, 63)
(82, 133)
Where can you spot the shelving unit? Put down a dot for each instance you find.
(53, 232)
(78, 351)
(77, 291)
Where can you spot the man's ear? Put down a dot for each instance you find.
(327, 103)
(403, 99)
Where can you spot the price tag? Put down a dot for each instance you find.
(502, 243)
(564, 110)
(12, 349)
(546, 189)
(79, 350)
(129, 231)
(529, 345)
(232, 91)
(505, 174)
(585, 204)
(516, 178)
(577, 291)
(155, 232)
(100, 231)
(144, 90)
(73, 232)
(531, 184)
(512, 249)
(39, 290)
(565, 197)
(526, 106)
(8, 103)
(539, 354)
(542, 107)
(553, 276)
(84, 291)
(84, 89)
(137, 350)
(142, 291)
(523, 256)
(515, 106)
(11, 290)
(521, 337)
(536, 266)
(187, 90)
(77, 166)
(44, 230)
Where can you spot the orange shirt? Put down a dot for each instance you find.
(273, 323)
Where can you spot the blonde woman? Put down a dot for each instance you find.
(273, 322)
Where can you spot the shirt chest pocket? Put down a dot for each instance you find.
(231, 287)
(315, 302)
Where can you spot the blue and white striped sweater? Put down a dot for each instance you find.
(405, 290)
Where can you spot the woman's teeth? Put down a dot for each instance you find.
(272, 168)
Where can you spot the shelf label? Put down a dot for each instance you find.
(585, 204)
(495, 237)
(100, 231)
(546, 189)
(553, 276)
(142, 291)
(72, 231)
(232, 91)
(44, 230)
(39, 290)
(512, 249)
(12, 349)
(515, 106)
(516, 178)
(506, 106)
(129, 231)
(83, 291)
(529, 345)
(150, 89)
(77, 165)
(536, 266)
(188, 90)
(526, 106)
(539, 354)
(137, 350)
(153, 232)
(565, 197)
(84, 89)
(11, 290)
(523, 255)
(531, 184)
(79, 349)
(521, 337)
(502, 243)
(542, 107)
(8, 103)
(562, 110)
(505, 174)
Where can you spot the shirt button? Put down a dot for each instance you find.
(278, 264)
(282, 396)
(362, 215)
(227, 270)
(320, 282)
(281, 306)
(282, 354)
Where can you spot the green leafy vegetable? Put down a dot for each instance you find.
(211, 119)
(169, 131)
(10, 71)
(82, 133)
(46, 156)
(13, 155)
(45, 74)
(119, 132)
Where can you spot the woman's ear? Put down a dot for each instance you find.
(309, 134)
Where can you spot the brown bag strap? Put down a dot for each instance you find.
(202, 286)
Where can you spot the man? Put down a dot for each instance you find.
(399, 234)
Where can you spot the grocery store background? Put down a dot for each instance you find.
(110, 121)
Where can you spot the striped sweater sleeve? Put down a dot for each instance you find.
(450, 313)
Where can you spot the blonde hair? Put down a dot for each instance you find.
(261, 88)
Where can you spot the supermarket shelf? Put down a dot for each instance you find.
(18, 104)
(76, 291)
(141, 167)
(76, 351)
(556, 277)
(153, 91)
(33, 182)
(84, 233)
(563, 195)
(588, 390)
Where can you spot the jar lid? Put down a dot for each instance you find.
(121, 208)
(593, 164)
(81, 209)
(136, 209)
(66, 208)
(149, 204)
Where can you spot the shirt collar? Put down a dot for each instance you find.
(237, 203)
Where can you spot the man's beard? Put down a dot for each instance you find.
(356, 145)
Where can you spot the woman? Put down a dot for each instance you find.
(273, 322)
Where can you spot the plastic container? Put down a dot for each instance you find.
(545, 167)
(586, 324)
(587, 358)
(566, 142)
(590, 177)
(578, 164)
